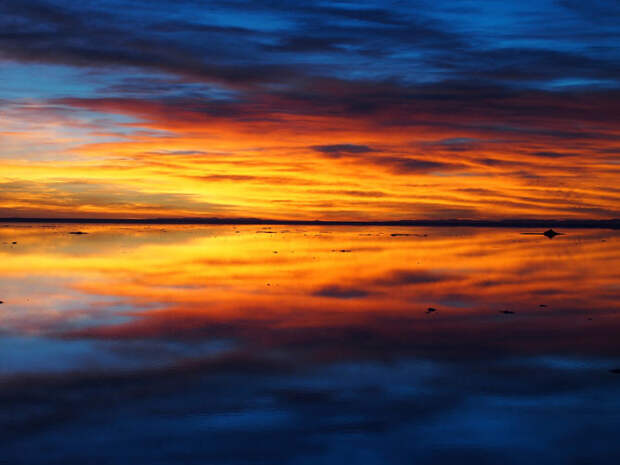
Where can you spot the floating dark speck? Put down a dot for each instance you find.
(431, 310)
(550, 233)
(78, 232)
(615, 371)
(542, 305)
(507, 312)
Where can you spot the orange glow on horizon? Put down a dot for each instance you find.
(292, 166)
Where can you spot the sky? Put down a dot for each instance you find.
(333, 110)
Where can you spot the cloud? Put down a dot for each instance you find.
(398, 165)
(339, 292)
(553, 154)
(59, 199)
(340, 150)
(403, 165)
(352, 193)
(324, 95)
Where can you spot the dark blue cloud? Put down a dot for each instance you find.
(339, 150)
(239, 43)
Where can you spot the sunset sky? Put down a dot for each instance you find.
(341, 110)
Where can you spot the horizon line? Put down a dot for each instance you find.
(611, 223)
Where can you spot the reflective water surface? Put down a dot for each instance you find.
(308, 345)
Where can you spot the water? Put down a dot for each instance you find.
(308, 345)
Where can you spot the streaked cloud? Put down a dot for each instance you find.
(415, 101)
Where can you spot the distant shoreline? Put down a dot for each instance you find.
(525, 223)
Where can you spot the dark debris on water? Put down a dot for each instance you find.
(550, 233)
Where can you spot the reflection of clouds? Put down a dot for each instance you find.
(192, 282)
(434, 411)
(406, 277)
(340, 292)
(176, 335)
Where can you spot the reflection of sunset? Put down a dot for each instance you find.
(252, 282)
(207, 335)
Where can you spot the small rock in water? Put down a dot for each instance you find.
(78, 232)
(13, 242)
(615, 371)
(431, 310)
(507, 312)
(542, 305)
(550, 233)
(1, 302)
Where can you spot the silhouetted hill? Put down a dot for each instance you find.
(508, 223)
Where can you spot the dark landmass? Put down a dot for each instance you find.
(509, 223)
(550, 233)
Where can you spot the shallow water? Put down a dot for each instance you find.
(308, 345)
